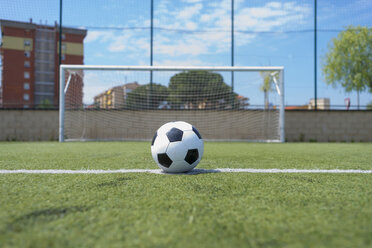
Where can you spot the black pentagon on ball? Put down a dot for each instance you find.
(196, 132)
(174, 135)
(164, 160)
(153, 139)
(192, 155)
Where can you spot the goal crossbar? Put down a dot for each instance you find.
(171, 68)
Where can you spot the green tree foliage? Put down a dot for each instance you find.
(267, 85)
(349, 60)
(45, 104)
(200, 90)
(369, 106)
(145, 98)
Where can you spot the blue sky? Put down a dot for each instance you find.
(197, 32)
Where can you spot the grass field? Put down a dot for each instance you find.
(204, 210)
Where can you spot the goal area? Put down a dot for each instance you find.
(111, 103)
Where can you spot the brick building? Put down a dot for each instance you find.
(30, 57)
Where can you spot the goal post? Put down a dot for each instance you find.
(104, 102)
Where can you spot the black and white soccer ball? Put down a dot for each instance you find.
(177, 147)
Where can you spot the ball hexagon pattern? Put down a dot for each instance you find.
(177, 147)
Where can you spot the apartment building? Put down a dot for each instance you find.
(30, 62)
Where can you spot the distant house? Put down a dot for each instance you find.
(301, 107)
(243, 101)
(114, 97)
(322, 103)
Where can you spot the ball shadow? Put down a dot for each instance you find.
(195, 172)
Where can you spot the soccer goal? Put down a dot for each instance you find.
(132, 102)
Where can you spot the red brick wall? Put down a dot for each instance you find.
(19, 32)
(13, 71)
(69, 59)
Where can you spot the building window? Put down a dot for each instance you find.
(26, 86)
(63, 36)
(27, 64)
(26, 75)
(63, 57)
(63, 47)
(27, 54)
(26, 97)
(27, 42)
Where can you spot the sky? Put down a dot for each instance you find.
(198, 32)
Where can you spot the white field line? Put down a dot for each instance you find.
(192, 172)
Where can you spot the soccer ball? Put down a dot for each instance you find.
(177, 147)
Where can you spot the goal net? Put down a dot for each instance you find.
(132, 102)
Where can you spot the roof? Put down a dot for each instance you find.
(296, 107)
(132, 86)
(31, 25)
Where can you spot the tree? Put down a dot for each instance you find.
(349, 60)
(267, 85)
(45, 104)
(369, 106)
(200, 90)
(145, 98)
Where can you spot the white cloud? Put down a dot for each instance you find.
(265, 12)
(182, 62)
(162, 8)
(181, 47)
(191, 25)
(190, 11)
(120, 42)
(101, 36)
(214, 17)
(271, 16)
(192, 1)
(275, 5)
(205, 18)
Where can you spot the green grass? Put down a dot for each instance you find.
(204, 210)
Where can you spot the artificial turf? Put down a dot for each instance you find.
(204, 210)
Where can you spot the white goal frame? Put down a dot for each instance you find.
(279, 85)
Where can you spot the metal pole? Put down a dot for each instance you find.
(151, 32)
(60, 34)
(232, 32)
(61, 81)
(315, 58)
(232, 54)
(61, 105)
(282, 107)
(151, 48)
